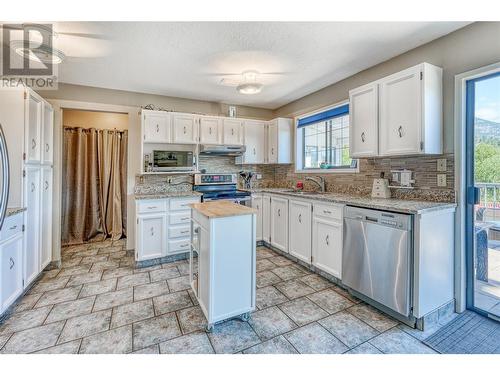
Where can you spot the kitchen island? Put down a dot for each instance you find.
(223, 259)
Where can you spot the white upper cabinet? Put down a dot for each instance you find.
(47, 134)
(409, 114)
(232, 132)
(279, 141)
(185, 128)
(210, 130)
(254, 134)
(33, 127)
(363, 112)
(156, 127)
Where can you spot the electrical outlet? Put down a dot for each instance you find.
(441, 180)
(441, 165)
(258, 176)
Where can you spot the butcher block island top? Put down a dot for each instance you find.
(215, 209)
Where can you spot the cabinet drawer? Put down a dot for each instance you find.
(146, 206)
(181, 217)
(12, 225)
(329, 211)
(178, 246)
(177, 204)
(179, 231)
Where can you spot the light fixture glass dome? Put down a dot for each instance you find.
(249, 88)
(36, 52)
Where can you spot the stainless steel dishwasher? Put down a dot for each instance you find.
(377, 256)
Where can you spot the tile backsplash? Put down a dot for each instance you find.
(284, 176)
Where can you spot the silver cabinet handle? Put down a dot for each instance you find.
(46, 147)
(327, 239)
(279, 212)
(12, 263)
(157, 128)
(257, 206)
(12, 228)
(46, 185)
(197, 230)
(300, 218)
(254, 150)
(232, 131)
(184, 130)
(184, 245)
(363, 137)
(327, 212)
(152, 207)
(400, 132)
(210, 131)
(185, 218)
(152, 231)
(32, 187)
(33, 143)
(272, 150)
(184, 231)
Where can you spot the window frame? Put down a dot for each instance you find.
(299, 145)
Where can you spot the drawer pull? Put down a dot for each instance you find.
(300, 218)
(152, 231)
(46, 185)
(157, 128)
(184, 130)
(327, 212)
(46, 147)
(184, 231)
(363, 137)
(327, 240)
(232, 131)
(400, 132)
(152, 207)
(12, 263)
(12, 228)
(184, 245)
(33, 143)
(279, 212)
(32, 187)
(185, 218)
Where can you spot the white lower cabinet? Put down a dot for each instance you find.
(151, 236)
(327, 241)
(279, 223)
(11, 268)
(266, 218)
(257, 204)
(299, 219)
(32, 249)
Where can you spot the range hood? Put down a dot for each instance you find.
(222, 150)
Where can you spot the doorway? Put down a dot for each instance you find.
(94, 176)
(482, 156)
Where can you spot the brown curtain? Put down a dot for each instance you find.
(94, 185)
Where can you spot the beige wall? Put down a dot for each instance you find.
(471, 47)
(94, 119)
(135, 99)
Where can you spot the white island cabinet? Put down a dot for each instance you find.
(222, 260)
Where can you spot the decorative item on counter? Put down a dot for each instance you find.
(402, 179)
(247, 179)
(300, 185)
(381, 187)
(232, 111)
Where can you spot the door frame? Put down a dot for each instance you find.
(461, 238)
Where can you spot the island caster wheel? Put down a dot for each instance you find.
(244, 317)
(209, 328)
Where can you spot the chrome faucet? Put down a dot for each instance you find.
(320, 181)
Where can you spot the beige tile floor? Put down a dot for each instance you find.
(99, 303)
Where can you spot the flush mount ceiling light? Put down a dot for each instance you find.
(250, 85)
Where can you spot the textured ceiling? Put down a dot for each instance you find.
(189, 59)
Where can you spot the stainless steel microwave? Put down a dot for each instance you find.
(165, 161)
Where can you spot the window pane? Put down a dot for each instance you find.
(315, 145)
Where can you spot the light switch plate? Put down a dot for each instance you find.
(441, 180)
(441, 165)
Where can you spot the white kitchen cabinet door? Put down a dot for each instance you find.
(363, 121)
(11, 270)
(32, 245)
(151, 236)
(272, 142)
(210, 130)
(232, 132)
(300, 224)
(279, 223)
(47, 134)
(327, 246)
(257, 204)
(266, 218)
(33, 118)
(46, 218)
(156, 127)
(255, 142)
(185, 128)
(401, 113)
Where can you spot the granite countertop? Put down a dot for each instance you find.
(394, 205)
(216, 209)
(11, 211)
(168, 194)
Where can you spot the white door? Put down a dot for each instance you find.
(300, 224)
(11, 270)
(185, 128)
(401, 113)
(156, 127)
(363, 121)
(266, 218)
(279, 223)
(151, 236)
(209, 130)
(232, 132)
(47, 134)
(33, 128)
(272, 142)
(46, 217)
(257, 204)
(32, 245)
(254, 139)
(327, 246)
